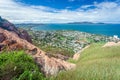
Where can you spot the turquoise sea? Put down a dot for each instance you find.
(102, 29)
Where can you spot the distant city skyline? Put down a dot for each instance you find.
(60, 11)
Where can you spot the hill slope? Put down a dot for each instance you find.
(11, 39)
(95, 63)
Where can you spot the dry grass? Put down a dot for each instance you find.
(95, 63)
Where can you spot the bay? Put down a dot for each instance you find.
(101, 29)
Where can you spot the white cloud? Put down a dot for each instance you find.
(21, 13)
(85, 6)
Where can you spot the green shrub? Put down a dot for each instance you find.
(18, 66)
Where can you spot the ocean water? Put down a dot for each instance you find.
(102, 29)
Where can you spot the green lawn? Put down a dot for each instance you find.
(95, 63)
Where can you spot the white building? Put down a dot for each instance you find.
(115, 36)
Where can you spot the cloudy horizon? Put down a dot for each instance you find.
(20, 12)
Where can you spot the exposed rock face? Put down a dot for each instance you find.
(2, 37)
(12, 41)
(24, 35)
(10, 27)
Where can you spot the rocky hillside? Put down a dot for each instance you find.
(13, 39)
(4, 24)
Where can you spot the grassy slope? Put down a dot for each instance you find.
(95, 63)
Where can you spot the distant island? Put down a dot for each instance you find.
(86, 23)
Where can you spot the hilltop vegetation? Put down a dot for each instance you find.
(18, 66)
(95, 63)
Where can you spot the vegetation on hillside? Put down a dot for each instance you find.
(18, 66)
(95, 63)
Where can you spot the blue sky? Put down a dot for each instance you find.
(62, 4)
(60, 11)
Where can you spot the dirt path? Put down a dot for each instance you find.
(77, 55)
